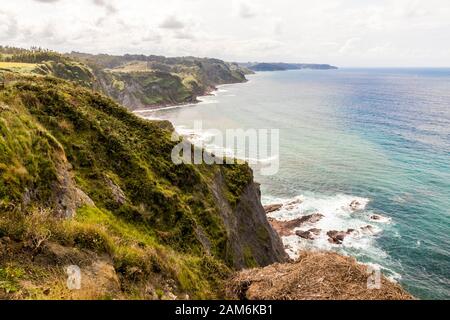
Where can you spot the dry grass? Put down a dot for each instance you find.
(135, 66)
(18, 66)
(314, 276)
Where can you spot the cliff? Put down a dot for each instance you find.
(85, 182)
(139, 81)
(135, 81)
(281, 66)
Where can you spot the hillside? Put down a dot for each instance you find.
(85, 182)
(281, 66)
(135, 81)
(139, 81)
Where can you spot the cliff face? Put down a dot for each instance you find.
(253, 241)
(135, 81)
(85, 182)
(139, 81)
(281, 66)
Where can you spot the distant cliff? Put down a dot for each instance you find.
(280, 66)
(135, 81)
(139, 81)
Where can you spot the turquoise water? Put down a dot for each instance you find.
(378, 135)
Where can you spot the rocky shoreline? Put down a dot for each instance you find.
(305, 227)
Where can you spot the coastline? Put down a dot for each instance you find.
(198, 100)
(355, 233)
(300, 236)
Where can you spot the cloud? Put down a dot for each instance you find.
(278, 27)
(246, 11)
(349, 45)
(9, 28)
(151, 36)
(184, 35)
(171, 22)
(102, 3)
(344, 33)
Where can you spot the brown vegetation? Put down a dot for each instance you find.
(314, 276)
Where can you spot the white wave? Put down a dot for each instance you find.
(216, 92)
(148, 117)
(206, 100)
(206, 140)
(338, 216)
(151, 110)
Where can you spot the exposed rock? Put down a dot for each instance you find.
(247, 223)
(368, 229)
(313, 218)
(286, 228)
(67, 196)
(379, 218)
(309, 234)
(315, 231)
(117, 192)
(355, 205)
(272, 207)
(304, 234)
(336, 237)
(295, 201)
(292, 204)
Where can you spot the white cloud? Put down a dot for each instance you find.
(351, 32)
(9, 27)
(171, 22)
(245, 10)
(107, 4)
(349, 45)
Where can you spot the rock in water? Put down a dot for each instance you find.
(336, 237)
(293, 204)
(309, 234)
(355, 205)
(272, 207)
(368, 229)
(315, 231)
(304, 234)
(315, 217)
(286, 228)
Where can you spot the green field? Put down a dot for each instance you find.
(18, 66)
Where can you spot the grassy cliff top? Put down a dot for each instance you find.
(136, 81)
(83, 180)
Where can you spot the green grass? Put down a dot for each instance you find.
(9, 278)
(45, 122)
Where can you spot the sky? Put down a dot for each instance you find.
(345, 33)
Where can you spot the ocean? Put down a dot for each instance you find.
(377, 136)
